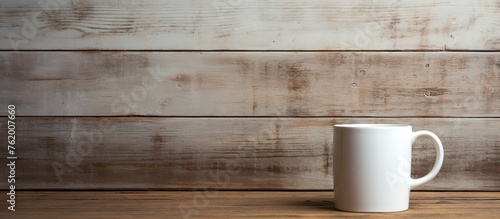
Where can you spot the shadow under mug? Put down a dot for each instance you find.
(372, 166)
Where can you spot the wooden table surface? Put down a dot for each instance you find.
(237, 204)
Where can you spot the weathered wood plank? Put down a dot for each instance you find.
(167, 204)
(229, 153)
(449, 84)
(249, 25)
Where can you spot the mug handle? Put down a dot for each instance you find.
(439, 158)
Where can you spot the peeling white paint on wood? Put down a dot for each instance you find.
(250, 25)
(451, 84)
(258, 153)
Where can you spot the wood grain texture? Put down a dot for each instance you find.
(442, 84)
(205, 204)
(249, 25)
(229, 153)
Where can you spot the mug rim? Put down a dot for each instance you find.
(371, 125)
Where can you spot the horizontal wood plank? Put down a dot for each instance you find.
(167, 204)
(441, 84)
(249, 25)
(229, 153)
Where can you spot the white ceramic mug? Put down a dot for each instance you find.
(372, 166)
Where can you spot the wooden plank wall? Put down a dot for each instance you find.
(233, 94)
(249, 25)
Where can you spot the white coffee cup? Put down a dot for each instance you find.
(372, 166)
